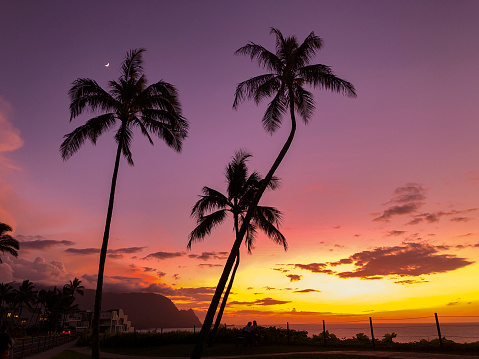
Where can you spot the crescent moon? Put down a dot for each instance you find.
(107, 65)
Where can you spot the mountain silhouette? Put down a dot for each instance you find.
(144, 310)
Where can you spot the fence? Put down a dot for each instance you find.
(34, 345)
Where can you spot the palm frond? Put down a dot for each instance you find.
(132, 66)
(211, 200)
(205, 225)
(4, 228)
(251, 234)
(273, 115)
(247, 89)
(304, 103)
(322, 76)
(91, 130)
(264, 57)
(307, 49)
(268, 219)
(86, 93)
(123, 137)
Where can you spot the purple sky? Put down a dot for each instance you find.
(415, 121)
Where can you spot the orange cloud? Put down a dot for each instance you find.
(10, 139)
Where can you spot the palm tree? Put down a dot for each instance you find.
(241, 190)
(6, 292)
(289, 69)
(75, 287)
(25, 296)
(154, 110)
(7, 243)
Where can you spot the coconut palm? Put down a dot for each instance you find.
(241, 189)
(6, 293)
(155, 110)
(24, 296)
(289, 70)
(8, 244)
(75, 287)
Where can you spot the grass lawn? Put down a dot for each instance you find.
(71, 354)
(232, 350)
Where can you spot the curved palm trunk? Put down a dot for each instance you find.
(198, 349)
(95, 352)
(212, 336)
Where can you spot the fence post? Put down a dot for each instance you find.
(438, 330)
(372, 332)
(287, 331)
(23, 348)
(324, 333)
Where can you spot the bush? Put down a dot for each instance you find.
(388, 338)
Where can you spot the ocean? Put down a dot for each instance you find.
(406, 332)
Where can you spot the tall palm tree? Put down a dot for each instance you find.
(289, 70)
(7, 243)
(25, 296)
(154, 110)
(241, 190)
(6, 293)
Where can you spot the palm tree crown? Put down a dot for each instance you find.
(241, 189)
(8, 244)
(154, 109)
(289, 70)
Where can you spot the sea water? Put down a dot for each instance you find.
(406, 332)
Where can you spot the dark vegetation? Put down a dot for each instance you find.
(272, 340)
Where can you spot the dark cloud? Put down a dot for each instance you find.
(82, 251)
(39, 243)
(206, 256)
(160, 288)
(307, 291)
(435, 217)
(411, 281)
(164, 255)
(294, 277)
(409, 259)
(262, 302)
(398, 211)
(115, 256)
(38, 270)
(160, 274)
(209, 265)
(128, 250)
(395, 233)
(406, 200)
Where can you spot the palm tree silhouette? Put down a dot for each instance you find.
(25, 296)
(154, 110)
(241, 189)
(8, 244)
(289, 70)
(6, 293)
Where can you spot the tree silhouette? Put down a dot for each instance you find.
(154, 110)
(24, 296)
(8, 244)
(241, 189)
(289, 70)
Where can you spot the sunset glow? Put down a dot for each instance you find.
(380, 194)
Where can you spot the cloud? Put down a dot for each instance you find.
(435, 217)
(262, 302)
(206, 256)
(38, 270)
(209, 265)
(411, 281)
(307, 291)
(410, 259)
(294, 277)
(39, 243)
(395, 233)
(127, 250)
(10, 139)
(82, 251)
(406, 200)
(164, 255)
